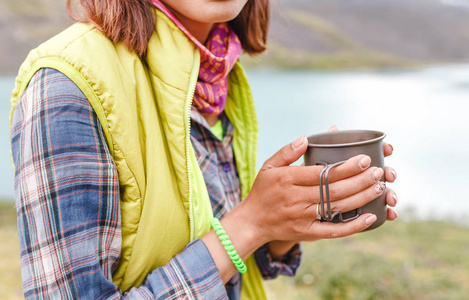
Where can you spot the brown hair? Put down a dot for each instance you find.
(132, 22)
(252, 26)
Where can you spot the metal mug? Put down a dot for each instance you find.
(333, 148)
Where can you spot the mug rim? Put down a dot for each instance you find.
(381, 136)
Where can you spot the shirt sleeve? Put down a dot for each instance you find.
(67, 199)
(287, 265)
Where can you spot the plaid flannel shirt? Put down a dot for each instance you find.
(67, 198)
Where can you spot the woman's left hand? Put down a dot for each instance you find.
(390, 175)
(279, 248)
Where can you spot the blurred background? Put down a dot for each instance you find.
(398, 66)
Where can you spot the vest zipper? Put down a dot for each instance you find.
(187, 111)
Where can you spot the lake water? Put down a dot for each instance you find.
(424, 113)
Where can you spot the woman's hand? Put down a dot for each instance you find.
(283, 200)
(282, 205)
(389, 176)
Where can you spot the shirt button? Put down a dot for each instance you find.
(226, 168)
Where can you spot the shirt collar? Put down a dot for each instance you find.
(228, 129)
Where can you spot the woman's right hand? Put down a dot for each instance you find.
(283, 200)
(282, 205)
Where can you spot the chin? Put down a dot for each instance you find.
(207, 11)
(221, 18)
(224, 12)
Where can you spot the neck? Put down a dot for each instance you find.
(199, 30)
(211, 119)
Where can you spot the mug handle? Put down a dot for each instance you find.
(331, 216)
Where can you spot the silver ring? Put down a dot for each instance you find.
(318, 216)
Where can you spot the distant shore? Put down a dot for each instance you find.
(277, 57)
(313, 34)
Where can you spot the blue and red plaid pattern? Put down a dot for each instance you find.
(218, 165)
(67, 198)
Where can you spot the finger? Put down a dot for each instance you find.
(391, 215)
(355, 185)
(333, 128)
(327, 230)
(303, 175)
(390, 174)
(288, 154)
(317, 212)
(309, 175)
(391, 198)
(351, 167)
(387, 149)
(360, 199)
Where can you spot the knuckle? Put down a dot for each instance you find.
(289, 202)
(297, 201)
(357, 227)
(287, 179)
(337, 173)
(283, 152)
(315, 171)
(337, 206)
(283, 175)
(365, 181)
(298, 230)
(294, 198)
(335, 191)
(367, 196)
(279, 180)
(304, 214)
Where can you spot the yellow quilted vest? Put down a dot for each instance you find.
(144, 109)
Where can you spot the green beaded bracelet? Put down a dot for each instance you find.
(230, 250)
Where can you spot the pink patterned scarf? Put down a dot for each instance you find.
(217, 59)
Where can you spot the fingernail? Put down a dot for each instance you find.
(380, 187)
(365, 162)
(299, 142)
(392, 148)
(394, 196)
(395, 215)
(377, 174)
(394, 174)
(370, 220)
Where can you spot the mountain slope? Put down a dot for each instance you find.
(369, 32)
(303, 33)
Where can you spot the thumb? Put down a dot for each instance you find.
(288, 154)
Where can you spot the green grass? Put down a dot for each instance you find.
(323, 27)
(27, 8)
(400, 260)
(277, 56)
(10, 275)
(349, 53)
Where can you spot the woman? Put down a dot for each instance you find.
(134, 128)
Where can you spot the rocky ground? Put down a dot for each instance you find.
(321, 34)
